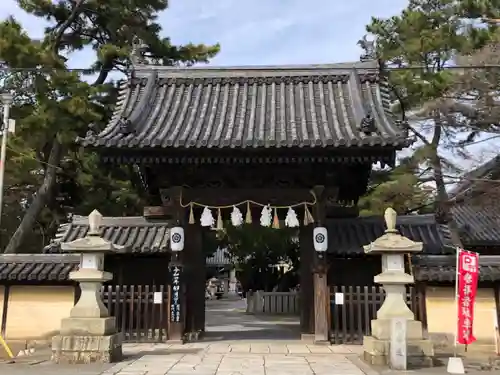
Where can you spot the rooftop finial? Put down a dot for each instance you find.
(137, 53)
(369, 47)
(390, 217)
(95, 220)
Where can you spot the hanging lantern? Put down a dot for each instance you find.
(320, 236)
(177, 238)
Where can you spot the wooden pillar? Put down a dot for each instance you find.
(177, 306)
(321, 303)
(306, 291)
(194, 263)
(320, 270)
(178, 287)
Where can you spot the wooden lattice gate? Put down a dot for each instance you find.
(350, 321)
(141, 311)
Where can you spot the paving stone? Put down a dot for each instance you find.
(259, 349)
(298, 349)
(240, 348)
(177, 347)
(316, 349)
(219, 349)
(228, 356)
(340, 349)
(198, 345)
(278, 349)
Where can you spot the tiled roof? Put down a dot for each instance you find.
(479, 225)
(470, 185)
(135, 233)
(251, 107)
(37, 267)
(219, 258)
(344, 235)
(442, 268)
(349, 235)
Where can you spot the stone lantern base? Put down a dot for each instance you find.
(376, 348)
(87, 340)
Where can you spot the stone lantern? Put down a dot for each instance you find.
(89, 333)
(377, 347)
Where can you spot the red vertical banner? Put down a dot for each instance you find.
(467, 279)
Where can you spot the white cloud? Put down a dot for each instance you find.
(276, 32)
(259, 32)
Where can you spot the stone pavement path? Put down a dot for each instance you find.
(236, 344)
(227, 320)
(255, 358)
(210, 362)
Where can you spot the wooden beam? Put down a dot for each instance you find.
(151, 212)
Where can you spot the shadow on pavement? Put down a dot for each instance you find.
(227, 320)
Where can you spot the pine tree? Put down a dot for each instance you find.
(421, 43)
(53, 104)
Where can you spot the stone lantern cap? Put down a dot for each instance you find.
(391, 241)
(92, 242)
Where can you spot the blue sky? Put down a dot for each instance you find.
(259, 32)
(263, 32)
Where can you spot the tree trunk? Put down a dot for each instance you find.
(42, 196)
(443, 208)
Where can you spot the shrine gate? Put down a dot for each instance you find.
(284, 136)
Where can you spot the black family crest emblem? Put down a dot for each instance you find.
(320, 238)
(176, 238)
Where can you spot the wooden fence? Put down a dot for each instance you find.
(350, 321)
(273, 303)
(141, 311)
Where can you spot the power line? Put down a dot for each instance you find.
(209, 67)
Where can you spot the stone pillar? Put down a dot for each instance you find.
(392, 246)
(232, 281)
(89, 333)
(226, 286)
